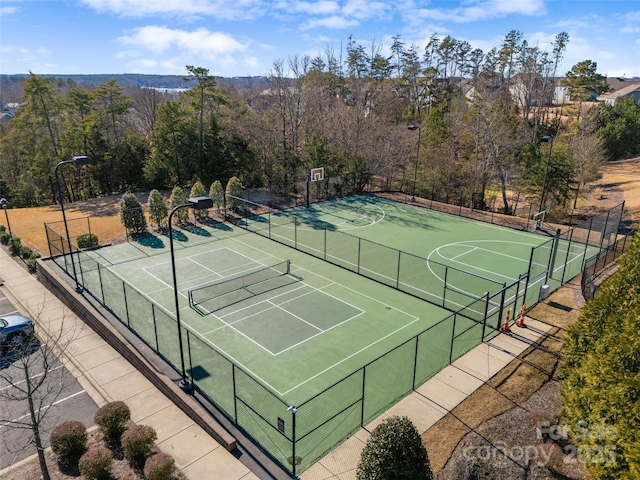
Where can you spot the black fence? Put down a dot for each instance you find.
(298, 435)
(597, 264)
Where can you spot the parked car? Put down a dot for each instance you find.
(14, 330)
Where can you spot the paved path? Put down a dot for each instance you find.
(435, 398)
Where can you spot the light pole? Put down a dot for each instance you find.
(81, 160)
(4, 205)
(545, 139)
(415, 171)
(199, 203)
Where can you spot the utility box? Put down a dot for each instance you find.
(545, 291)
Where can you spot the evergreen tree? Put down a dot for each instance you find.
(217, 194)
(600, 385)
(197, 190)
(234, 188)
(394, 452)
(131, 214)
(178, 198)
(157, 209)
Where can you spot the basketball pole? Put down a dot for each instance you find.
(308, 187)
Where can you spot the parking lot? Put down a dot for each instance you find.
(58, 398)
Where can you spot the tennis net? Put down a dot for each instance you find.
(200, 295)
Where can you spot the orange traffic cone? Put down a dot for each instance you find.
(521, 319)
(506, 321)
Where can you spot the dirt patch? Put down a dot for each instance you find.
(503, 414)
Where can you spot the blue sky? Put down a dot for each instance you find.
(245, 37)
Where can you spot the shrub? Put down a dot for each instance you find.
(137, 443)
(217, 194)
(32, 264)
(15, 246)
(394, 452)
(234, 188)
(69, 440)
(2, 228)
(25, 252)
(95, 464)
(159, 467)
(87, 240)
(157, 208)
(131, 214)
(197, 190)
(178, 198)
(4, 238)
(112, 419)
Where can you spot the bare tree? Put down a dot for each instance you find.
(33, 377)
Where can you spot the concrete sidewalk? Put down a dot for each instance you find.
(435, 398)
(106, 377)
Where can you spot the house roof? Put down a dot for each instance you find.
(624, 91)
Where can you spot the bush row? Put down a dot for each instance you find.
(69, 441)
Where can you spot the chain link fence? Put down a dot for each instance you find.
(297, 436)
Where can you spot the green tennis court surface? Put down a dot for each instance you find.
(340, 309)
(298, 333)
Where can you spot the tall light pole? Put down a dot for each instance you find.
(546, 139)
(415, 171)
(4, 205)
(198, 203)
(81, 160)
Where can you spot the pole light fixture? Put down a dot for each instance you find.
(4, 204)
(80, 160)
(415, 171)
(545, 139)
(197, 203)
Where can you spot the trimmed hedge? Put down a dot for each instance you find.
(69, 440)
(112, 419)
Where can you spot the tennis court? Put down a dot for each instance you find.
(298, 329)
(300, 312)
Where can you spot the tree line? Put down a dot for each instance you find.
(480, 117)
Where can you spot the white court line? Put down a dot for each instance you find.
(463, 253)
(231, 357)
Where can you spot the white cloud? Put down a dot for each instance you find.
(483, 10)
(365, 9)
(7, 10)
(223, 9)
(312, 8)
(200, 41)
(333, 21)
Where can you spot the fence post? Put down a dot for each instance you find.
(101, 285)
(604, 229)
(126, 305)
(453, 337)
(364, 375)
(566, 258)
(586, 245)
(415, 363)
(444, 288)
(486, 312)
